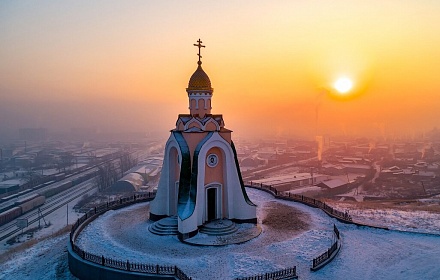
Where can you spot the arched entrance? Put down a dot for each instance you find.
(213, 202)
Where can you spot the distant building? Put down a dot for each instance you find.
(6, 187)
(131, 182)
(291, 181)
(335, 186)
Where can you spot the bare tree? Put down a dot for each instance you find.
(42, 160)
(126, 161)
(65, 160)
(106, 176)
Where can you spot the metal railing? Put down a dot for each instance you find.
(288, 273)
(342, 216)
(125, 265)
(329, 253)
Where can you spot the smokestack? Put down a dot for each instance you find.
(319, 140)
(426, 146)
(372, 146)
(392, 150)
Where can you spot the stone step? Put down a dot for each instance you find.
(219, 227)
(218, 231)
(160, 226)
(166, 226)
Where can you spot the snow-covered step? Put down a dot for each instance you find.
(165, 226)
(219, 227)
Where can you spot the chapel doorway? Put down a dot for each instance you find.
(212, 203)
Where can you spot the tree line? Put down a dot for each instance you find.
(111, 171)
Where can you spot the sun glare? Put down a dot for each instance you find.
(343, 85)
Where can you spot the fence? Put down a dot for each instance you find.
(288, 273)
(342, 216)
(325, 257)
(328, 255)
(114, 263)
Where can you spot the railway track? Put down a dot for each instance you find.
(54, 205)
(49, 203)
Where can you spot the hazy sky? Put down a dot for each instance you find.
(124, 65)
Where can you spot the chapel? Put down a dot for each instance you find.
(201, 179)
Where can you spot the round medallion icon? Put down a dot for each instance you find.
(212, 160)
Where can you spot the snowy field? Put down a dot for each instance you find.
(366, 253)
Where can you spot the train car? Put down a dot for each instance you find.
(60, 176)
(25, 199)
(49, 183)
(32, 204)
(6, 198)
(78, 180)
(38, 187)
(9, 215)
(24, 192)
(6, 208)
(56, 190)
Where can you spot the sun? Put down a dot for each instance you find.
(343, 85)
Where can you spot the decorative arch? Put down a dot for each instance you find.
(180, 125)
(235, 203)
(201, 104)
(161, 206)
(193, 123)
(193, 104)
(211, 125)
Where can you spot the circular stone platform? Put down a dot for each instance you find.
(215, 233)
(300, 234)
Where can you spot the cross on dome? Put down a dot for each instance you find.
(199, 81)
(199, 45)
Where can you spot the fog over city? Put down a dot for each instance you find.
(243, 140)
(116, 68)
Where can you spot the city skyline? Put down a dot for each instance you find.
(117, 67)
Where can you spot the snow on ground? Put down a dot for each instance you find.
(366, 253)
(44, 261)
(401, 220)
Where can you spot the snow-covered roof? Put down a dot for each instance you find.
(278, 180)
(357, 166)
(425, 173)
(334, 183)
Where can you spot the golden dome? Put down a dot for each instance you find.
(199, 80)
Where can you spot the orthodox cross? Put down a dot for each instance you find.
(199, 45)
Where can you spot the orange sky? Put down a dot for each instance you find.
(124, 65)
